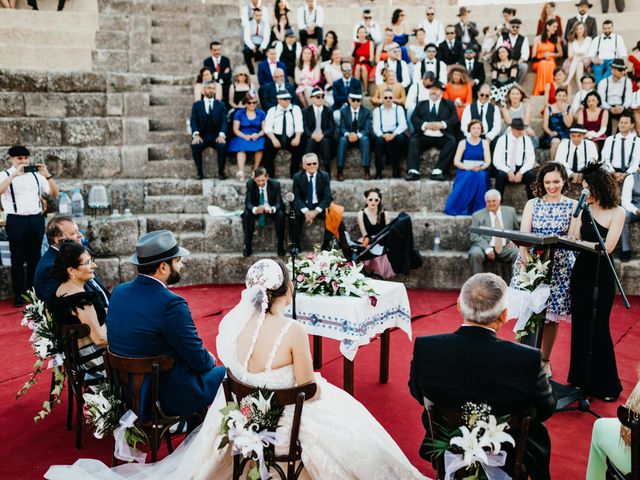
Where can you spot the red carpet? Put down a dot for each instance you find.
(28, 449)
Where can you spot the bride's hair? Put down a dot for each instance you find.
(274, 294)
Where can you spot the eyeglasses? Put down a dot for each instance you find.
(355, 100)
(387, 98)
(483, 95)
(450, 33)
(311, 163)
(87, 262)
(242, 75)
(431, 50)
(252, 103)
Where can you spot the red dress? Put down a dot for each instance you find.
(363, 50)
(636, 71)
(594, 126)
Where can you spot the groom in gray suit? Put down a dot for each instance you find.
(493, 249)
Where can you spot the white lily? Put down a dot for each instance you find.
(471, 447)
(494, 435)
(261, 403)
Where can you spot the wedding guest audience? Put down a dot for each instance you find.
(240, 87)
(556, 120)
(248, 129)
(20, 196)
(306, 75)
(433, 29)
(516, 106)
(288, 52)
(418, 92)
(269, 92)
(450, 50)
(71, 303)
(395, 63)
(466, 30)
(616, 92)
(458, 89)
(343, 87)
(604, 49)
(310, 21)
(474, 67)
(504, 72)
(485, 111)
(548, 13)
(430, 64)
(546, 48)
(621, 152)
(372, 219)
(400, 32)
(514, 158)
(267, 66)
(283, 128)
(416, 49)
(332, 70)
(328, 46)
(256, 39)
(363, 56)
(591, 26)
(389, 124)
(472, 160)
(147, 319)
(487, 248)
(246, 11)
(576, 152)
(209, 129)
(630, 200)
(205, 75)
(594, 118)
(434, 123)
(381, 49)
(263, 201)
(390, 83)
(449, 370)
(354, 132)
(319, 128)
(588, 84)
(221, 68)
(578, 58)
(549, 213)
(371, 27)
(518, 45)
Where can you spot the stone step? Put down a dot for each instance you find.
(161, 80)
(176, 222)
(168, 68)
(192, 241)
(169, 169)
(161, 39)
(163, 186)
(175, 204)
(166, 111)
(170, 7)
(171, 99)
(168, 136)
(20, 36)
(49, 58)
(173, 20)
(171, 122)
(170, 151)
(171, 57)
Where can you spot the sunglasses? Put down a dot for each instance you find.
(311, 163)
(373, 199)
(367, 18)
(483, 95)
(387, 98)
(318, 96)
(355, 100)
(430, 14)
(242, 75)
(450, 33)
(431, 50)
(252, 103)
(517, 27)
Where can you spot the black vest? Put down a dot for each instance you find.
(516, 51)
(288, 57)
(475, 114)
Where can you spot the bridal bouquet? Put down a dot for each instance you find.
(527, 302)
(46, 345)
(250, 428)
(475, 448)
(329, 273)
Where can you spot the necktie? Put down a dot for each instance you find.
(498, 245)
(318, 128)
(574, 166)
(310, 192)
(469, 66)
(346, 85)
(262, 219)
(257, 29)
(450, 45)
(210, 107)
(399, 71)
(217, 65)
(354, 122)
(482, 113)
(284, 128)
(433, 113)
(623, 157)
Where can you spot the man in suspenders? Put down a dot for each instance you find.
(621, 152)
(514, 158)
(616, 92)
(604, 49)
(21, 188)
(389, 125)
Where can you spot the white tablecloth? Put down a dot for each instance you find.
(353, 320)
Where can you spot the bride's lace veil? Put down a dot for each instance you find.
(262, 276)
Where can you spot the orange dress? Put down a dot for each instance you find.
(462, 91)
(544, 67)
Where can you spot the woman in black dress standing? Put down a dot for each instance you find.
(604, 201)
(72, 305)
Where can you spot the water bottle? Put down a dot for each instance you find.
(64, 205)
(436, 243)
(77, 203)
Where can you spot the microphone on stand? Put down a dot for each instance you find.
(290, 197)
(581, 202)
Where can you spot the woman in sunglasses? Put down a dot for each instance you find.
(248, 128)
(240, 87)
(372, 219)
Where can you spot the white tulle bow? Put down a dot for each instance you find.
(457, 461)
(521, 304)
(248, 442)
(122, 450)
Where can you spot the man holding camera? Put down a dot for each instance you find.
(21, 190)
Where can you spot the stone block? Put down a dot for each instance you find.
(114, 22)
(128, 270)
(6, 290)
(86, 104)
(108, 270)
(99, 162)
(135, 130)
(127, 194)
(11, 104)
(114, 6)
(127, 82)
(227, 268)
(23, 81)
(51, 105)
(220, 232)
(31, 132)
(140, 40)
(61, 161)
(176, 222)
(134, 160)
(228, 196)
(196, 269)
(113, 236)
(9, 132)
(136, 104)
(92, 131)
(76, 82)
(115, 104)
(110, 61)
(112, 40)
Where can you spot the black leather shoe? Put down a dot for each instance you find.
(61, 4)
(378, 176)
(247, 251)
(437, 177)
(199, 176)
(33, 4)
(412, 176)
(222, 176)
(625, 256)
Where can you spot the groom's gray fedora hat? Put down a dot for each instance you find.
(157, 246)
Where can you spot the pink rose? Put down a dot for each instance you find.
(373, 300)
(300, 278)
(311, 256)
(245, 411)
(335, 286)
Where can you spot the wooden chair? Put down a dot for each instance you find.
(235, 390)
(518, 428)
(630, 420)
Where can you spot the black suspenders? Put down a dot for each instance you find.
(13, 193)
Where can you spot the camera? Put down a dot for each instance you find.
(30, 169)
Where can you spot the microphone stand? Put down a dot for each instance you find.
(292, 219)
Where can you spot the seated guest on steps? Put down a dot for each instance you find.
(468, 365)
(611, 441)
(372, 219)
(63, 229)
(434, 124)
(288, 52)
(400, 31)
(279, 29)
(312, 190)
(319, 128)
(485, 111)
(283, 128)
(418, 92)
(269, 92)
(343, 87)
(256, 39)
(504, 71)
(381, 48)
(559, 80)
(391, 84)
(416, 49)
(630, 201)
(72, 304)
(267, 66)
(241, 86)
(327, 47)
(209, 129)
(472, 161)
(594, 118)
(588, 84)
(389, 124)
(459, 89)
(621, 152)
(576, 153)
(450, 50)
(466, 30)
(205, 75)
(516, 106)
(394, 62)
(548, 13)
(248, 128)
(583, 16)
(432, 64)
(147, 319)
(546, 48)
(616, 92)
(578, 58)
(605, 48)
(221, 68)
(263, 201)
(310, 22)
(474, 66)
(372, 29)
(519, 46)
(354, 131)
(332, 69)
(485, 247)
(556, 120)
(514, 158)
(306, 75)
(280, 9)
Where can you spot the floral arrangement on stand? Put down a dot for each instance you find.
(528, 300)
(473, 451)
(250, 429)
(46, 345)
(329, 273)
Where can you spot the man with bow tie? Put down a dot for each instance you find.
(221, 68)
(590, 24)
(430, 64)
(604, 49)
(518, 44)
(283, 128)
(268, 66)
(256, 39)
(209, 127)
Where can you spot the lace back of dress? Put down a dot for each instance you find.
(276, 346)
(254, 339)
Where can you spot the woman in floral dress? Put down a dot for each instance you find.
(550, 214)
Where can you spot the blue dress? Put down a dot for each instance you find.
(402, 40)
(469, 186)
(556, 124)
(248, 127)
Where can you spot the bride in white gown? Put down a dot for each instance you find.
(340, 439)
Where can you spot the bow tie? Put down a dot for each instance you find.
(430, 63)
(607, 37)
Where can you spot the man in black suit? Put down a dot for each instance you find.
(319, 128)
(434, 125)
(209, 129)
(474, 66)
(344, 86)
(268, 93)
(450, 50)
(312, 190)
(466, 30)
(354, 131)
(221, 68)
(263, 201)
(590, 24)
(474, 365)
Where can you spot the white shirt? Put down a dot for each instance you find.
(493, 216)
(611, 92)
(280, 47)
(273, 121)
(497, 120)
(607, 48)
(433, 31)
(430, 66)
(578, 99)
(352, 114)
(612, 150)
(635, 100)
(524, 50)
(154, 278)
(566, 149)
(392, 65)
(307, 18)
(373, 29)
(389, 120)
(263, 190)
(26, 189)
(417, 93)
(626, 196)
(519, 149)
(246, 12)
(433, 133)
(252, 40)
(314, 198)
(580, 49)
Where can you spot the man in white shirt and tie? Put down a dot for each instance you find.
(630, 201)
(474, 66)
(485, 247)
(370, 25)
(485, 111)
(310, 22)
(576, 152)
(514, 158)
(395, 63)
(604, 49)
(433, 29)
(622, 150)
(283, 128)
(616, 92)
(430, 64)
(389, 125)
(256, 39)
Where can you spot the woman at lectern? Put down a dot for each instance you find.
(604, 199)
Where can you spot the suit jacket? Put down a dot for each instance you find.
(327, 124)
(364, 120)
(473, 32)
(340, 93)
(264, 72)
(447, 113)
(252, 197)
(469, 366)
(590, 24)
(323, 189)
(448, 55)
(225, 70)
(482, 218)
(267, 94)
(477, 73)
(147, 319)
(199, 117)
